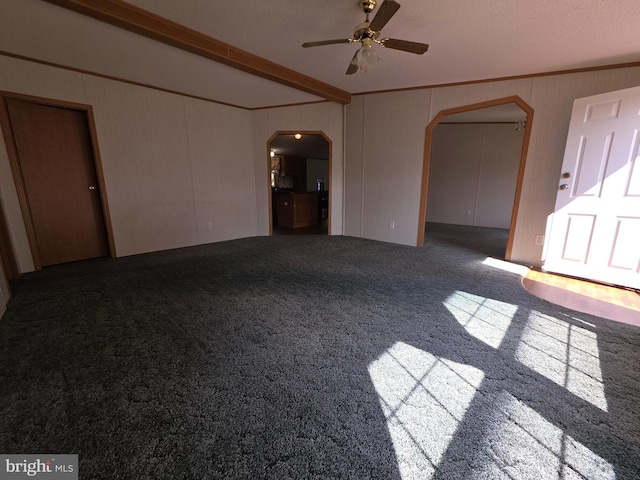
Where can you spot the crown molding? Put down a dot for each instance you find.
(502, 79)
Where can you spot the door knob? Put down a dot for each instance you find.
(92, 187)
(564, 186)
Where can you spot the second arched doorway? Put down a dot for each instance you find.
(489, 112)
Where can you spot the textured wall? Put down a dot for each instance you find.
(4, 291)
(385, 144)
(353, 167)
(474, 170)
(178, 171)
(456, 161)
(386, 149)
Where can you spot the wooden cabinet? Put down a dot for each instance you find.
(295, 210)
(293, 167)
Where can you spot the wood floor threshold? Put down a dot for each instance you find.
(607, 301)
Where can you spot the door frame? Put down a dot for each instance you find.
(428, 141)
(12, 151)
(7, 254)
(329, 180)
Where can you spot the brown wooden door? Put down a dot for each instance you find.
(58, 171)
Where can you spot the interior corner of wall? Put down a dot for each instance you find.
(3, 300)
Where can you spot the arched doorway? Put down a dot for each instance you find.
(299, 169)
(493, 105)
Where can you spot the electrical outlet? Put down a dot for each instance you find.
(539, 239)
(392, 225)
(210, 225)
(468, 213)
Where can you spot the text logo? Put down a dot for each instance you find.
(49, 467)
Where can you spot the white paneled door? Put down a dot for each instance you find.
(594, 231)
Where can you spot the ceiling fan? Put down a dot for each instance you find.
(368, 32)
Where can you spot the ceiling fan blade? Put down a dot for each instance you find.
(387, 10)
(326, 42)
(405, 45)
(353, 68)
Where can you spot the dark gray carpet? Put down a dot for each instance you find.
(315, 357)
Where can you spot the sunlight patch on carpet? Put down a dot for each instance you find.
(521, 443)
(506, 266)
(486, 319)
(423, 398)
(565, 354)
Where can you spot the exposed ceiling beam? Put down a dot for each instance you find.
(142, 22)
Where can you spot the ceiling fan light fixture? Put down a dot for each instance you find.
(368, 33)
(366, 56)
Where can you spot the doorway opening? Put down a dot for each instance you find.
(52, 150)
(476, 181)
(299, 166)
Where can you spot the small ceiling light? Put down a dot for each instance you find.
(297, 136)
(272, 153)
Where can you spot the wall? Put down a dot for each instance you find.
(323, 117)
(178, 171)
(473, 174)
(4, 291)
(385, 148)
(175, 165)
(384, 145)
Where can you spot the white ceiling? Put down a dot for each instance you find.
(471, 40)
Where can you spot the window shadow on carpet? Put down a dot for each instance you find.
(314, 357)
